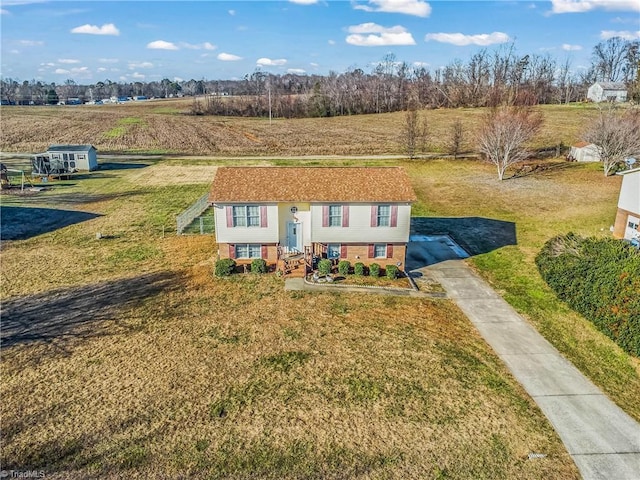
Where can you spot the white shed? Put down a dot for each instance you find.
(607, 92)
(584, 152)
(75, 157)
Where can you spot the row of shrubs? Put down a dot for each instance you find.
(359, 269)
(227, 266)
(599, 278)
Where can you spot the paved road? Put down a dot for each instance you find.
(603, 441)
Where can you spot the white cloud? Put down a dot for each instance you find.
(304, 2)
(374, 35)
(580, 6)
(268, 62)
(570, 48)
(232, 12)
(331, 42)
(68, 60)
(418, 8)
(61, 71)
(137, 65)
(108, 60)
(31, 43)
(420, 64)
(162, 45)
(106, 29)
(199, 46)
(296, 71)
(460, 39)
(101, 69)
(228, 57)
(138, 76)
(48, 64)
(624, 34)
(314, 64)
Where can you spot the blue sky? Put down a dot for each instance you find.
(89, 41)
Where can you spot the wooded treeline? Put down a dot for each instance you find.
(488, 78)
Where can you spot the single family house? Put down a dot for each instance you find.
(360, 214)
(607, 92)
(584, 152)
(628, 216)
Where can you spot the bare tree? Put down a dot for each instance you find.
(616, 136)
(504, 134)
(414, 133)
(456, 140)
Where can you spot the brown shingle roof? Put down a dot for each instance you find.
(581, 144)
(311, 184)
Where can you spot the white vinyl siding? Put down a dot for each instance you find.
(263, 235)
(360, 229)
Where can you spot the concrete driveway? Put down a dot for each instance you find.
(603, 440)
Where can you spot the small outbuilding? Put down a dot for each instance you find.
(584, 152)
(74, 157)
(607, 92)
(627, 224)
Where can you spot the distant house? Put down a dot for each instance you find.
(607, 92)
(71, 157)
(360, 214)
(628, 216)
(584, 152)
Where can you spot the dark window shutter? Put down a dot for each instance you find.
(374, 215)
(394, 216)
(389, 250)
(229, 216)
(264, 252)
(371, 251)
(343, 251)
(345, 215)
(325, 215)
(232, 251)
(263, 216)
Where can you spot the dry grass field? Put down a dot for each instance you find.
(165, 127)
(123, 357)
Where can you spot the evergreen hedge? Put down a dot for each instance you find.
(600, 279)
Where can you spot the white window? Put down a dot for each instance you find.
(384, 215)
(335, 215)
(248, 250)
(380, 250)
(333, 250)
(246, 216)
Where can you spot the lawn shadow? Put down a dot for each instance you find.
(21, 223)
(121, 166)
(474, 235)
(79, 312)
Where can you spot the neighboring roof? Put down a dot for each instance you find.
(612, 85)
(626, 172)
(311, 184)
(582, 144)
(70, 148)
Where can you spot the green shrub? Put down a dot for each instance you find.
(324, 266)
(358, 269)
(374, 270)
(258, 265)
(391, 271)
(600, 279)
(225, 267)
(343, 267)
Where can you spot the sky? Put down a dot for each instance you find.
(127, 41)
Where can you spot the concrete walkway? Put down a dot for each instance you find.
(603, 441)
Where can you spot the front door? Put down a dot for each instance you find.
(294, 237)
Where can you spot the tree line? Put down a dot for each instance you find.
(488, 78)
